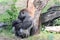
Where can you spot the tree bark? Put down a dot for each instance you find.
(35, 7)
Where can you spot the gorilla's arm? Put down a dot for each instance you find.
(14, 23)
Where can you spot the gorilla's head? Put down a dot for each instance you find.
(22, 14)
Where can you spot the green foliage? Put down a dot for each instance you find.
(57, 22)
(12, 12)
(57, 2)
(10, 15)
(4, 2)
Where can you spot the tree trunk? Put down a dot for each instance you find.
(35, 7)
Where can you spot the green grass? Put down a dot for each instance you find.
(42, 36)
(45, 36)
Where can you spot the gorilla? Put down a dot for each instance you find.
(24, 25)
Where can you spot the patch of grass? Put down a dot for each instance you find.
(45, 36)
(42, 36)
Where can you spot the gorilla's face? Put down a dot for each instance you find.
(23, 14)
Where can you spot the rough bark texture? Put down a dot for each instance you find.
(35, 7)
(39, 5)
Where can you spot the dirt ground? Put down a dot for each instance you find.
(13, 38)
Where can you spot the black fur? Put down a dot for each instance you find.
(24, 22)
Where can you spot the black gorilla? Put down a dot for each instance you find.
(23, 25)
